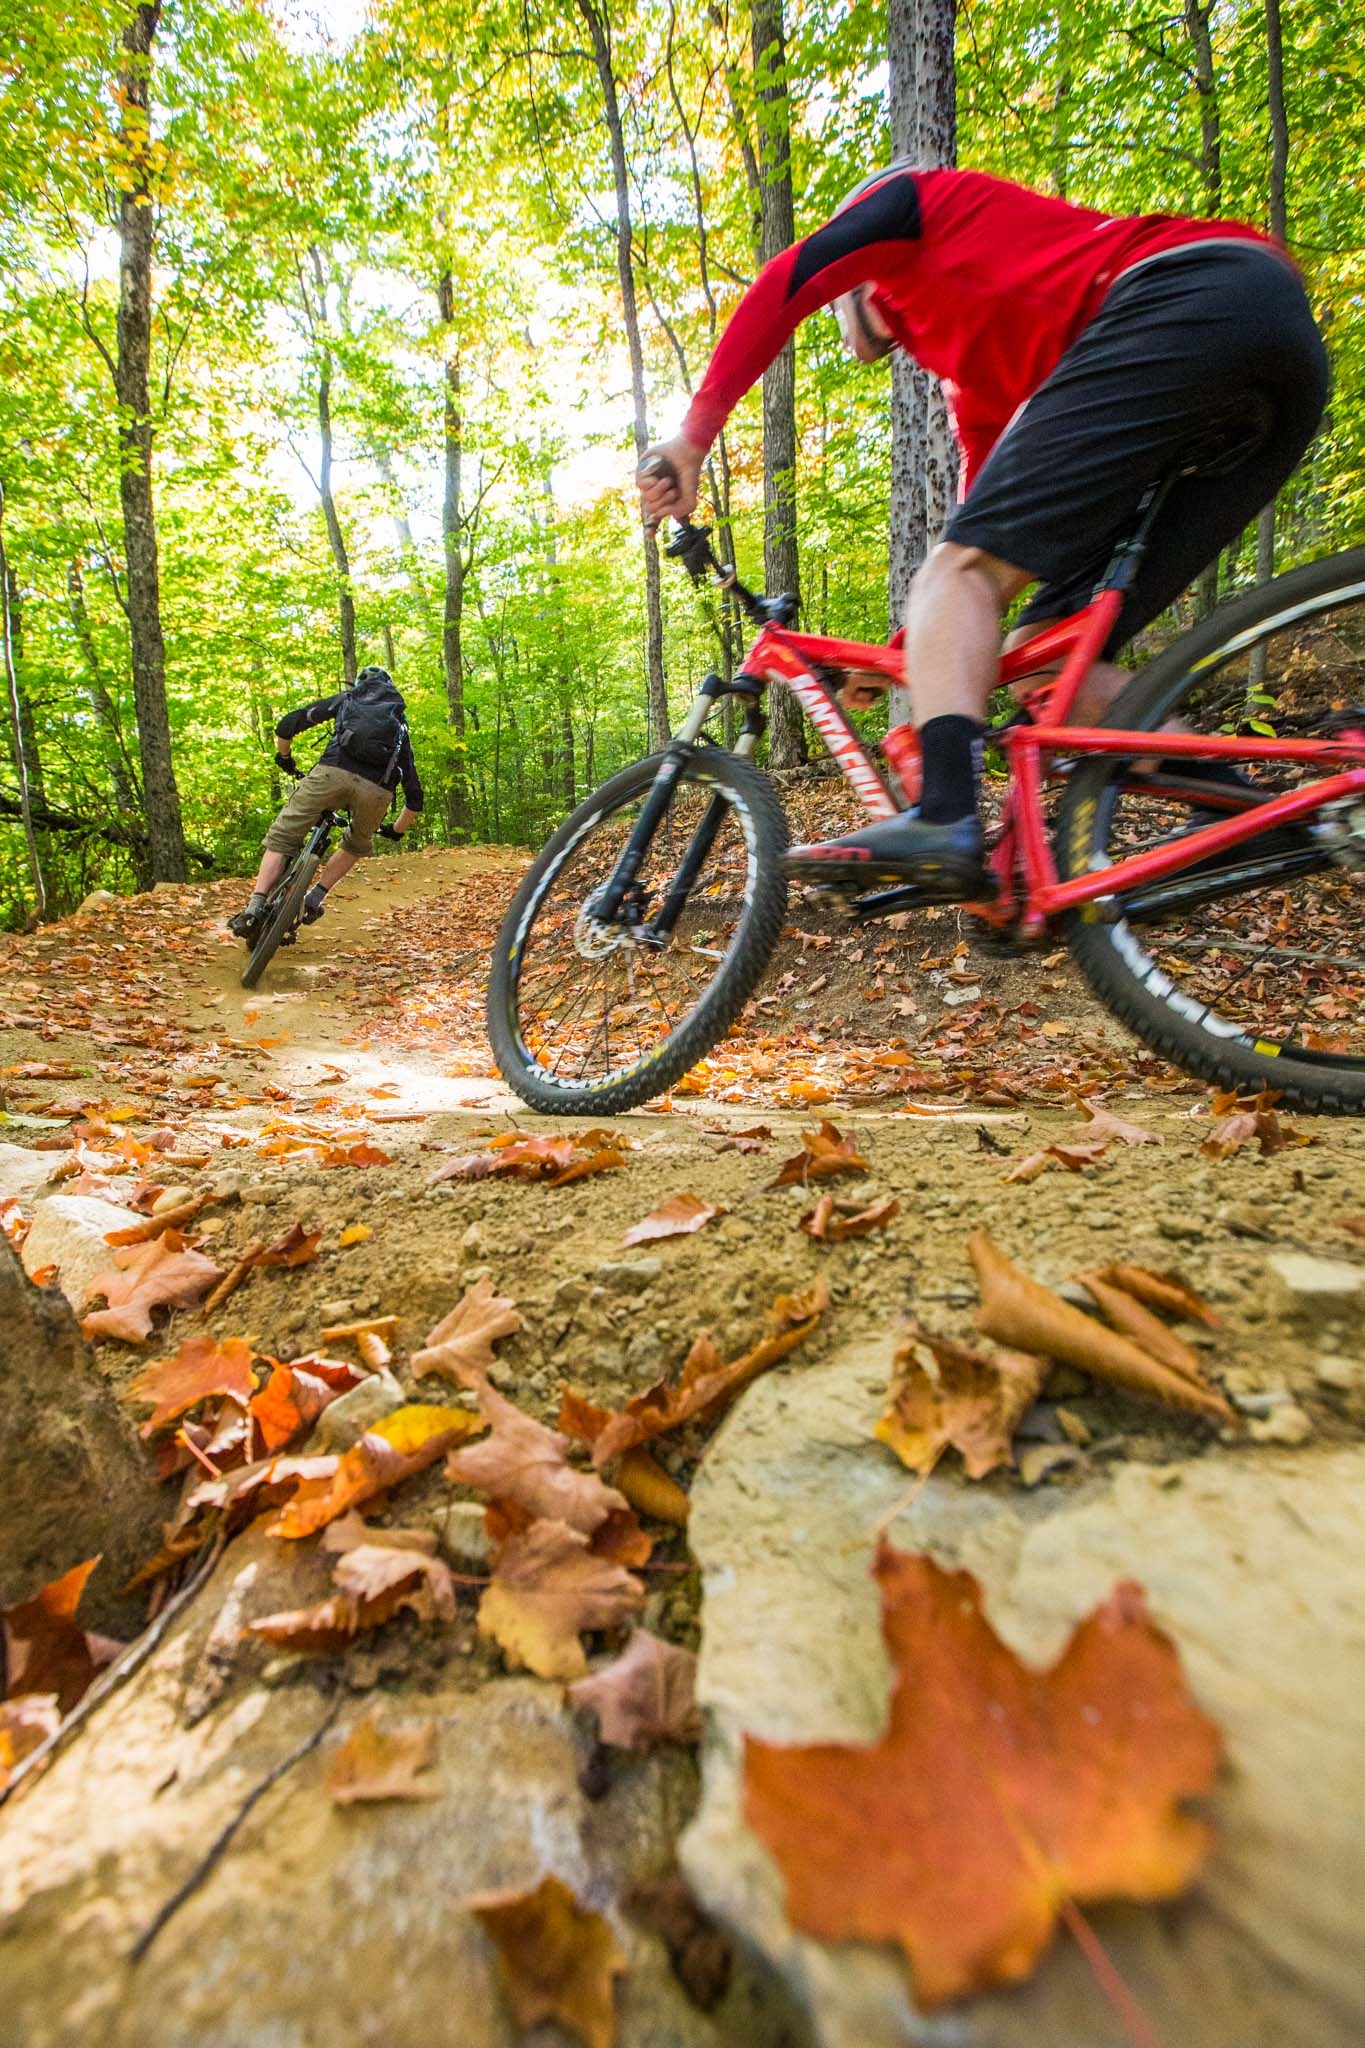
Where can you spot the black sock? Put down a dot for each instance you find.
(951, 752)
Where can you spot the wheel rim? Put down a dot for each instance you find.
(1276, 957)
(594, 1002)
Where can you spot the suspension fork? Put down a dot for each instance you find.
(681, 751)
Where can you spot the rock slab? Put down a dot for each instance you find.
(1251, 1560)
(69, 1232)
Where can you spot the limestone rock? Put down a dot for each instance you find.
(344, 1421)
(1250, 1560)
(627, 1276)
(74, 1480)
(322, 1927)
(69, 1232)
(21, 1171)
(1286, 1423)
(462, 1535)
(1310, 1291)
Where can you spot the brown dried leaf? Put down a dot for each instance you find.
(650, 1490)
(1253, 1118)
(384, 1763)
(676, 1217)
(162, 1274)
(648, 1695)
(605, 1160)
(297, 1247)
(547, 1587)
(945, 1394)
(25, 1724)
(556, 1958)
(1102, 1124)
(1162, 1290)
(832, 1220)
(1018, 1311)
(461, 1345)
(824, 1154)
(1147, 1331)
(401, 1444)
(294, 1396)
(523, 1461)
(46, 1649)
(1072, 1157)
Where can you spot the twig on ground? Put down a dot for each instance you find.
(233, 1280)
(222, 1840)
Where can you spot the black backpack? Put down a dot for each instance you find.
(370, 726)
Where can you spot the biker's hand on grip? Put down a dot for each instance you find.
(668, 479)
(288, 764)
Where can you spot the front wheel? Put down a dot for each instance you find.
(1249, 971)
(600, 1013)
(282, 913)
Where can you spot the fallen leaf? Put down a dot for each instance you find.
(675, 1217)
(371, 1339)
(1021, 1313)
(200, 1369)
(650, 1490)
(997, 1793)
(1253, 1118)
(648, 1695)
(162, 1274)
(1072, 1157)
(945, 1394)
(1101, 1123)
(139, 1233)
(824, 1153)
(461, 1345)
(831, 1220)
(402, 1443)
(706, 1385)
(557, 1959)
(297, 1247)
(528, 1158)
(604, 1161)
(547, 1587)
(354, 1233)
(25, 1724)
(1147, 1331)
(384, 1763)
(521, 1460)
(292, 1398)
(756, 1139)
(46, 1649)
(1162, 1290)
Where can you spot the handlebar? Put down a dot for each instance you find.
(691, 545)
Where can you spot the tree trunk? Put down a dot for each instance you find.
(777, 231)
(27, 787)
(127, 796)
(452, 536)
(137, 227)
(1279, 221)
(656, 692)
(923, 454)
(1197, 20)
(336, 540)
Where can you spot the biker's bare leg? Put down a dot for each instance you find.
(952, 630)
(340, 864)
(268, 873)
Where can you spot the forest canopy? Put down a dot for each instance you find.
(386, 409)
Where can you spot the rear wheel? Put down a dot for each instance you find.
(1251, 975)
(593, 1014)
(282, 913)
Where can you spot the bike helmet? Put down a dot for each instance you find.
(863, 334)
(370, 677)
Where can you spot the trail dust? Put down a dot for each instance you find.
(331, 1099)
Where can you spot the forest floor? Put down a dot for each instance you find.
(331, 1098)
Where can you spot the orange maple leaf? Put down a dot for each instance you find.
(295, 1395)
(556, 1958)
(943, 1394)
(47, 1651)
(831, 1220)
(998, 1792)
(161, 1274)
(403, 1443)
(201, 1368)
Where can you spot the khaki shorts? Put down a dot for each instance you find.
(330, 789)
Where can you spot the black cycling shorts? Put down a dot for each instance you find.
(1187, 338)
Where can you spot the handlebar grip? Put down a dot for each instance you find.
(657, 469)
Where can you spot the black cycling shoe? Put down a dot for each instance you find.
(247, 924)
(942, 861)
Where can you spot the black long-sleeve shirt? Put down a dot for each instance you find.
(334, 755)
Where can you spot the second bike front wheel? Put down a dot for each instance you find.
(586, 1014)
(282, 914)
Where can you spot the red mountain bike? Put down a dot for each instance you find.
(1223, 925)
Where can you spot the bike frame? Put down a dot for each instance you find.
(1028, 890)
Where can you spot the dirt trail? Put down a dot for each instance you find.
(129, 1020)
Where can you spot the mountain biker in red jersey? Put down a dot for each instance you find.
(1081, 355)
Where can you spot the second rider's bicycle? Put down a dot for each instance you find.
(1221, 924)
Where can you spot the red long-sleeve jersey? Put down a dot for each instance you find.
(984, 282)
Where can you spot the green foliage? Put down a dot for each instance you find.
(310, 198)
